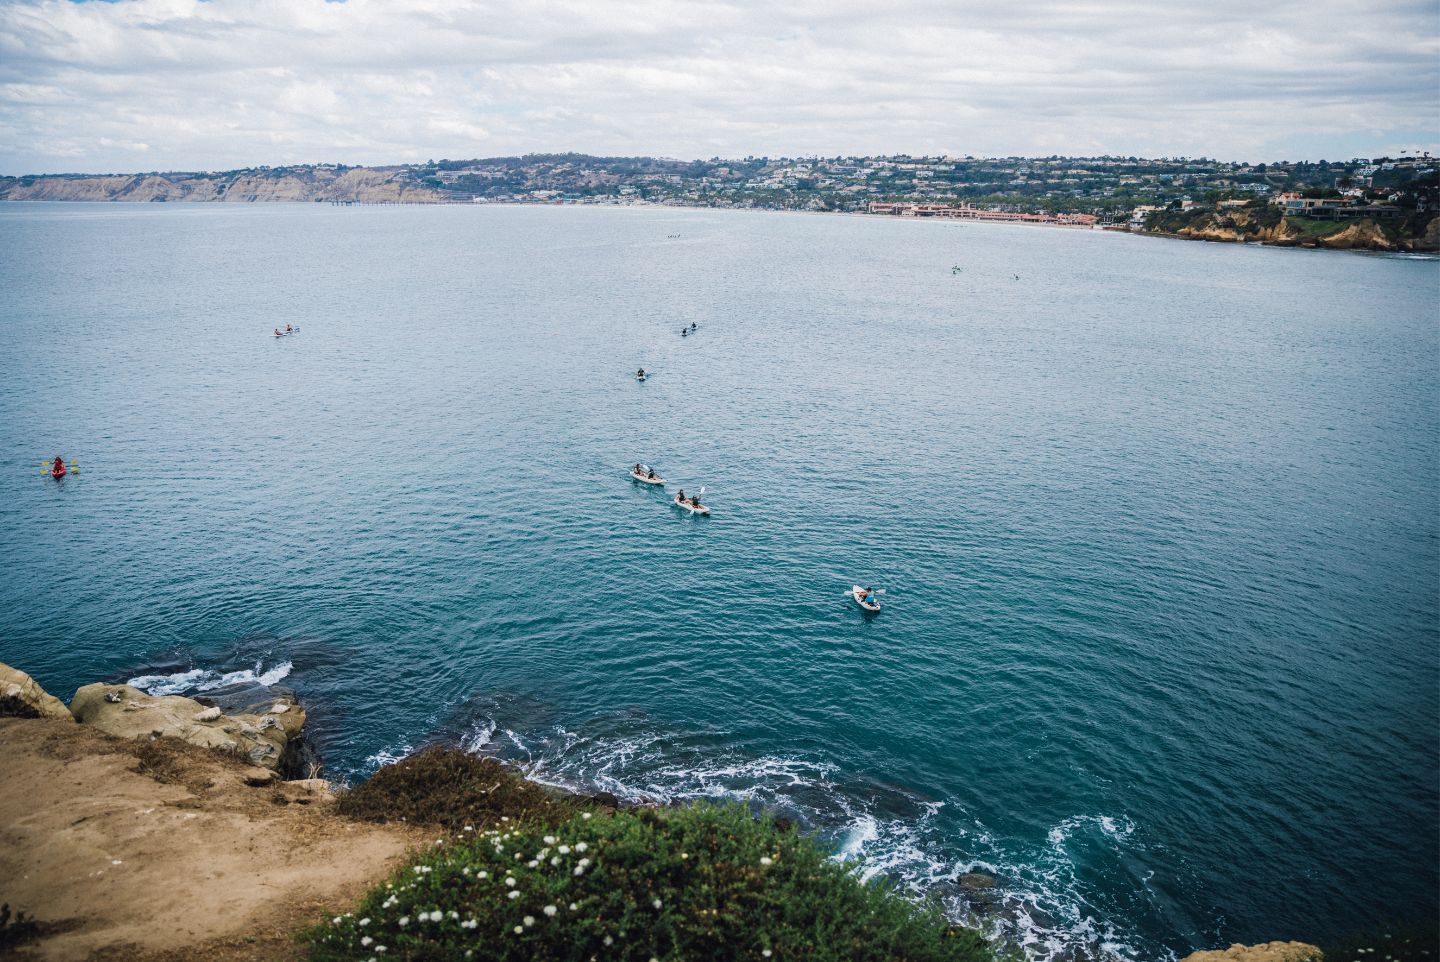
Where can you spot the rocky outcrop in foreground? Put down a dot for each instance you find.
(1265, 952)
(261, 738)
(21, 697)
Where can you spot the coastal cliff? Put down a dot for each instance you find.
(1265, 224)
(369, 185)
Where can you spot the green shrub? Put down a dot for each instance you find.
(697, 883)
(452, 789)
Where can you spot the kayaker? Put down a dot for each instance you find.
(680, 496)
(870, 596)
(652, 474)
(277, 332)
(695, 501)
(58, 467)
(639, 469)
(288, 329)
(692, 325)
(640, 373)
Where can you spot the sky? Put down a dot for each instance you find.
(141, 85)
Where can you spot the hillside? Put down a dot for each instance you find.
(371, 185)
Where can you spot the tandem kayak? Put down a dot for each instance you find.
(646, 479)
(693, 509)
(859, 595)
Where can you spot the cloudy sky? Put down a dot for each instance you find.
(184, 85)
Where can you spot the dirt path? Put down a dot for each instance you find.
(160, 851)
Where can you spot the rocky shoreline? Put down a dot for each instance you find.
(161, 828)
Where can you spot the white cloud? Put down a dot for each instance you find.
(185, 84)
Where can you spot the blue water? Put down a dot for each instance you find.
(1157, 523)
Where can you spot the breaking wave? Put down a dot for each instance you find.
(1032, 895)
(204, 679)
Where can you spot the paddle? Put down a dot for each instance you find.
(851, 593)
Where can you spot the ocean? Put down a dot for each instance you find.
(1158, 525)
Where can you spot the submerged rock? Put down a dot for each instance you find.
(1264, 952)
(130, 713)
(22, 697)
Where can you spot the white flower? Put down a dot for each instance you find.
(581, 846)
(403, 921)
(574, 907)
(586, 816)
(532, 863)
(549, 839)
(366, 940)
(766, 953)
(510, 881)
(504, 818)
(364, 921)
(469, 828)
(579, 870)
(482, 874)
(518, 929)
(550, 910)
(380, 949)
(658, 903)
(336, 920)
(766, 860)
(609, 940)
(584, 862)
(684, 856)
(512, 895)
(554, 860)
(529, 920)
(454, 914)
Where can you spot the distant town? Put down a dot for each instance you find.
(1397, 196)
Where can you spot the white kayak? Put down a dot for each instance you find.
(646, 479)
(859, 594)
(693, 509)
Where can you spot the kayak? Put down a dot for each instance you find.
(641, 377)
(859, 595)
(57, 475)
(702, 509)
(646, 479)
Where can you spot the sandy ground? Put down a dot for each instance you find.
(167, 854)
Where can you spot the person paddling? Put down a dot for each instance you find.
(640, 373)
(639, 469)
(870, 596)
(277, 332)
(652, 474)
(680, 496)
(288, 328)
(58, 468)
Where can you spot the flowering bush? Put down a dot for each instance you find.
(697, 883)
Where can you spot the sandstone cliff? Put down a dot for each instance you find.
(371, 185)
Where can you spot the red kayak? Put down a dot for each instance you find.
(57, 474)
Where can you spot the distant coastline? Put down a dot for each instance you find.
(1377, 204)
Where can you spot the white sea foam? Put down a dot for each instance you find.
(204, 679)
(1039, 903)
(389, 756)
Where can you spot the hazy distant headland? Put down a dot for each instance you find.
(1374, 203)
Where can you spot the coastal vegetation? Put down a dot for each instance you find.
(689, 882)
